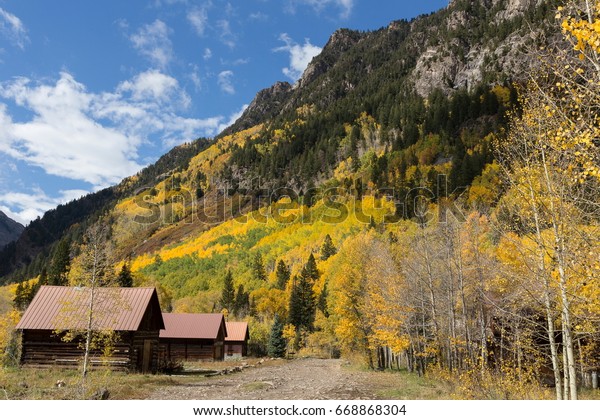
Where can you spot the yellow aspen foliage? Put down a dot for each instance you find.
(585, 31)
(486, 188)
(289, 332)
(270, 302)
(364, 294)
(8, 322)
(213, 159)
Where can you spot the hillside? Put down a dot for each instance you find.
(369, 110)
(369, 100)
(9, 229)
(416, 192)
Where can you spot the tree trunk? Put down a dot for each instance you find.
(90, 320)
(547, 297)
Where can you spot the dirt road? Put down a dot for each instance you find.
(301, 379)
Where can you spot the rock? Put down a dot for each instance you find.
(101, 394)
(60, 383)
(268, 102)
(339, 42)
(440, 67)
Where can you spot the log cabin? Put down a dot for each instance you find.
(193, 337)
(132, 316)
(236, 342)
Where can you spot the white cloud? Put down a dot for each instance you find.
(207, 54)
(300, 56)
(153, 42)
(345, 6)
(194, 76)
(179, 129)
(62, 138)
(25, 207)
(95, 137)
(12, 28)
(153, 85)
(159, 3)
(259, 16)
(198, 18)
(226, 34)
(225, 82)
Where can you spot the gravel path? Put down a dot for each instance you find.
(301, 379)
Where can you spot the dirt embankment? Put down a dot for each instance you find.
(301, 379)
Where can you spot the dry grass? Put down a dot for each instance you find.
(66, 384)
(41, 384)
(402, 385)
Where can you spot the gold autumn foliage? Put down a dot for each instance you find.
(499, 288)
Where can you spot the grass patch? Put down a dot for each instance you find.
(65, 384)
(409, 386)
(402, 385)
(43, 384)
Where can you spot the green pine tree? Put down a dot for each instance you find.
(295, 305)
(302, 304)
(125, 278)
(310, 270)
(282, 274)
(43, 280)
(322, 302)
(258, 268)
(327, 249)
(277, 344)
(241, 306)
(61, 264)
(308, 307)
(228, 293)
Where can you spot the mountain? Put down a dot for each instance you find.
(30, 252)
(390, 109)
(9, 229)
(417, 192)
(461, 46)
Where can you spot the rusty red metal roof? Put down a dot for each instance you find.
(237, 331)
(200, 326)
(67, 308)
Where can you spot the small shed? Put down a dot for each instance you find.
(236, 342)
(193, 337)
(133, 314)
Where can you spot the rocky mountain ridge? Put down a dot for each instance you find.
(467, 43)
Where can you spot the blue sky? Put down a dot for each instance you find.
(93, 91)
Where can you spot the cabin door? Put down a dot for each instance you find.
(146, 356)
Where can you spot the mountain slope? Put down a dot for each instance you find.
(25, 257)
(389, 109)
(9, 229)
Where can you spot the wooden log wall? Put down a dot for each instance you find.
(234, 350)
(138, 339)
(187, 350)
(46, 349)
